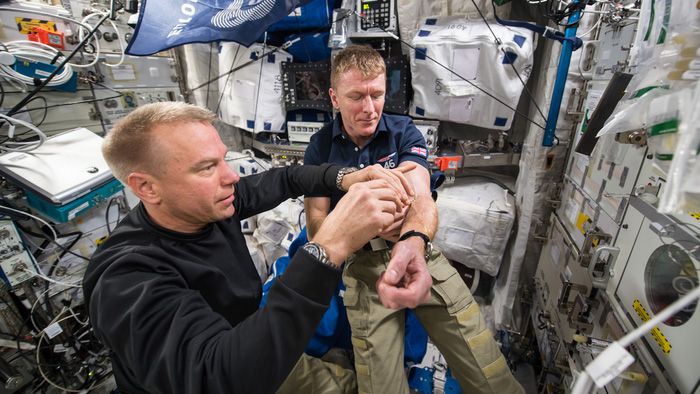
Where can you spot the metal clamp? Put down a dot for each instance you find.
(635, 137)
(600, 272)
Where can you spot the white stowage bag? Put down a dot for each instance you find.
(468, 48)
(412, 13)
(476, 217)
(277, 228)
(252, 96)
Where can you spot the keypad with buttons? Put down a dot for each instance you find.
(302, 131)
(376, 14)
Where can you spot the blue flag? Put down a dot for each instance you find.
(164, 24)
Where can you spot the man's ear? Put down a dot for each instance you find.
(145, 186)
(334, 98)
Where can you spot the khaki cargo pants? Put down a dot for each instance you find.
(452, 319)
(316, 376)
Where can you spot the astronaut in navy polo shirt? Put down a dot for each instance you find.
(360, 136)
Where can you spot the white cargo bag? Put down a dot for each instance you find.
(468, 48)
(476, 217)
(252, 96)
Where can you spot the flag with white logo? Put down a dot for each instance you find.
(164, 24)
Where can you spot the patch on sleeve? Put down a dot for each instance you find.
(387, 161)
(420, 151)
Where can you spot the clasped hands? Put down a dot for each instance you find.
(376, 203)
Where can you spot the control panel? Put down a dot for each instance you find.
(376, 18)
(16, 262)
(302, 131)
(429, 129)
(376, 13)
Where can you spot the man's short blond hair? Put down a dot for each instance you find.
(129, 146)
(362, 58)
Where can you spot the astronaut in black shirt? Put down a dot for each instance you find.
(174, 293)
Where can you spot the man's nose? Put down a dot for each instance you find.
(229, 176)
(367, 105)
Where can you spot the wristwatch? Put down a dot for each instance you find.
(339, 178)
(425, 238)
(319, 253)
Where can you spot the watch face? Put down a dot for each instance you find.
(313, 250)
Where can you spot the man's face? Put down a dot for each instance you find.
(360, 101)
(197, 184)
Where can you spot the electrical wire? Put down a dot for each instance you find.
(43, 374)
(118, 95)
(583, 382)
(53, 232)
(48, 79)
(37, 12)
(46, 278)
(31, 51)
(263, 55)
(21, 146)
(211, 50)
(109, 206)
(97, 42)
(43, 236)
(228, 76)
(512, 65)
(2, 93)
(453, 72)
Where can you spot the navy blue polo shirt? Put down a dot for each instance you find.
(396, 140)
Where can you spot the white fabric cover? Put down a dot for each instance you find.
(476, 217)
(469, 49)
(252, 96)
(201, 63)
(412, 13)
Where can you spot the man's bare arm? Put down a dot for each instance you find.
(316, 209)
(407, 282)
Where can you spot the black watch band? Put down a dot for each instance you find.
(424, 237)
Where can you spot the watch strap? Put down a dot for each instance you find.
(414, 233)
(424, 237)
(341, 173)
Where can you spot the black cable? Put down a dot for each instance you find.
(119, 94)
(228, 76)
(234, 70)
(455, 74)
(492, 179)
(2, 93)
(65, 61)
(109, 206)
(47, 237)
(78, 235)
(265, 54)
(211, 49)
(527, 90)
(43, 118)
(697, 384)
(46, 110)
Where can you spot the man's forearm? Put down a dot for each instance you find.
(422, 216)
(312, 225)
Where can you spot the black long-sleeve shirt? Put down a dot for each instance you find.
(180, 311)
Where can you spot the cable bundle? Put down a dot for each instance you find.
(24, 50)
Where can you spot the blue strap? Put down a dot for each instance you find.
(545, 31)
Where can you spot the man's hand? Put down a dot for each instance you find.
(393, 232)
(406, 283)
(394, 178)
(363, 212)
